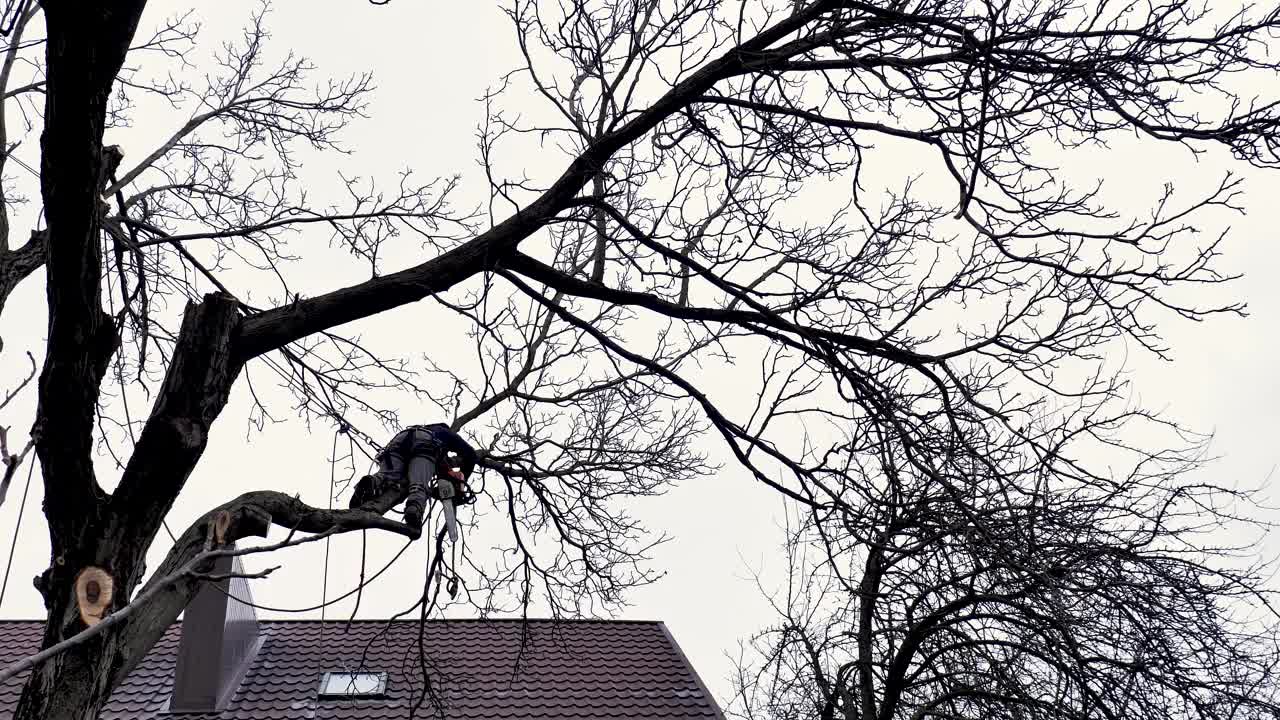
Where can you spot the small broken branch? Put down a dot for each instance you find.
(9, 396)
(11, 462)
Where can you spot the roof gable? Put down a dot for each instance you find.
(478, 669)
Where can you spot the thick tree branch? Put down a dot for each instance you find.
(196, 387)
(16, 265)
(280, 326)
(751, 319)
(249, 515)
(195, 552)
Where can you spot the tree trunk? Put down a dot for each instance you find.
(84, 52)
(73, 685)
(113, 533)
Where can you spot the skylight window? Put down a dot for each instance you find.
(353, 685)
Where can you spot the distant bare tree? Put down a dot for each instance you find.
(953, 337)
(1040, 591)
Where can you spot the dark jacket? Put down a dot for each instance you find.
(433, 441)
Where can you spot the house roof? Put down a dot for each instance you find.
(479, 670)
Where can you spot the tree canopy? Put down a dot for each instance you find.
(864, 199)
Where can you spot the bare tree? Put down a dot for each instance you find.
(945, 331)
(1023, 594)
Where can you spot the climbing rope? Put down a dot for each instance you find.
(22, 505)
(324, 583)
(334, 601)
(333, 463)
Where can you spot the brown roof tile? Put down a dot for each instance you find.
(478, 669)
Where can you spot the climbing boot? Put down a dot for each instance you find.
(367, 489)
(413, 515)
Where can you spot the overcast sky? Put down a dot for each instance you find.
(431, 62)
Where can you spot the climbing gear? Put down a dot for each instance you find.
(421, 463)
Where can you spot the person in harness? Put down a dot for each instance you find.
(421, 462)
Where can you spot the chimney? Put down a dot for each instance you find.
(219, 641)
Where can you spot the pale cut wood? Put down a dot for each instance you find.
(93, 594)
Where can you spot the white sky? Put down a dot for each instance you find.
(431, 61)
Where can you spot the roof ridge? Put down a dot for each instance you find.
(697, 679)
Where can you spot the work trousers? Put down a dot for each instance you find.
(413, 455)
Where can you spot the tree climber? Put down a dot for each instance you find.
(407, 467)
